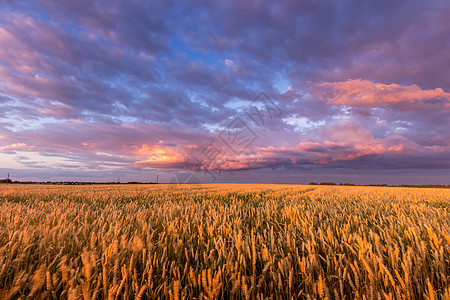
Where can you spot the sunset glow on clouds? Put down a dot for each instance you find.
(95, 90)
(369, 94)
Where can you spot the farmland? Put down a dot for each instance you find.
(224, 241)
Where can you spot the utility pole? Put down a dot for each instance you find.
(157, 178)
(7, 180)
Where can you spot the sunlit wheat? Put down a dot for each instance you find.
(224, 241)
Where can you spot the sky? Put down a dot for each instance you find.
(225, 91)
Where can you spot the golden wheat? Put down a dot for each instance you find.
(223, 241)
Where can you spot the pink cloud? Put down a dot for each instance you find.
(159, 156)
(16, 147)
(229, 63)
(348, 141)
(368, 94)
(340, 142)
(310, 146)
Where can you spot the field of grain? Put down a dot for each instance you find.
(224, 241)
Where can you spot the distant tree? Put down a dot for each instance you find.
(327, 183)
(313, 183)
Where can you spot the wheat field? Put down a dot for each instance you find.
(223, 242)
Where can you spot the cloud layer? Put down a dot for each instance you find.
(92, 89)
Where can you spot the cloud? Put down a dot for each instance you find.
(159, 156)
(106, 85)
(16, 147)
(342, 142)
(368, 94)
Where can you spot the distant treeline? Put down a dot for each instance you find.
(332, 183)
(442, 186)
(9, 181)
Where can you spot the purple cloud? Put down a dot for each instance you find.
(101, 87)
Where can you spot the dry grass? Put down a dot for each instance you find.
(224, 241)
